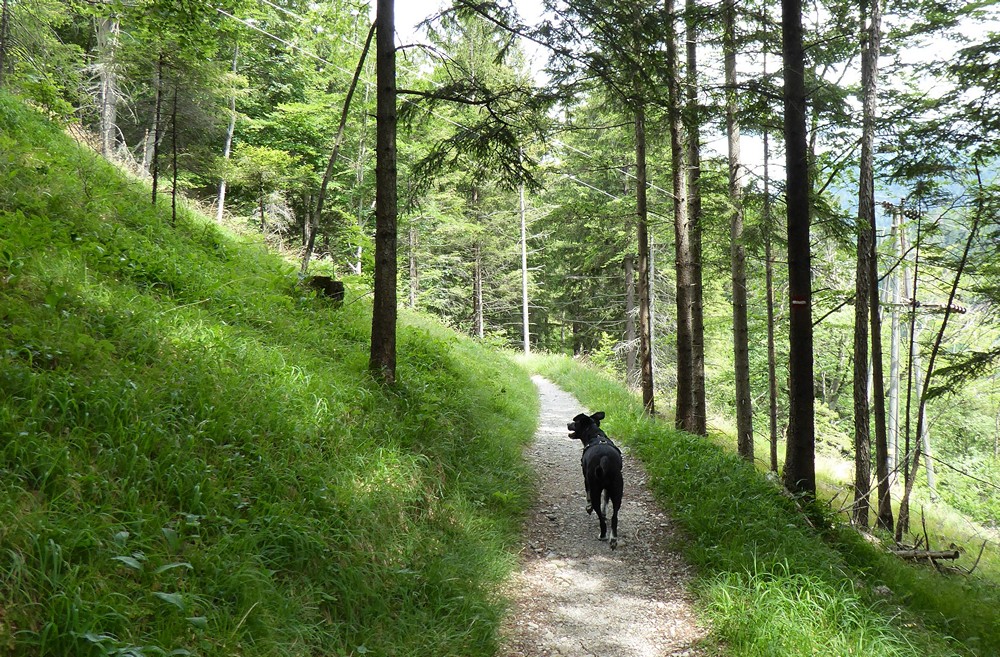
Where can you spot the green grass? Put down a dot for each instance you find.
(771, 581)
(194, 459)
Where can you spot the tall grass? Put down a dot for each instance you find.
(772, 580)
(193, 458)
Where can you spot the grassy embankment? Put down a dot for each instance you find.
(193, 458)
(771, 584)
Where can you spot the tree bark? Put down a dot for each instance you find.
(645, 284)
(525, 316)
(698, 420)
(737, 254)
(173, 160)
(227, 147)
(631, 375)
(383, 348)
(683, 409)
(155, 165)
(107, 40)
(772, 365)
(337, 141)
(800, 458)
(4, 21)
(414, 272)
(477, 290)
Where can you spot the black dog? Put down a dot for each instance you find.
(602, 471)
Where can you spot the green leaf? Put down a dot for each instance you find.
(131, 562)
(175, 599)
(171, 566)
(201, 622)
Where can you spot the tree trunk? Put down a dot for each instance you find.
(4, 21)
(683, 409)
(107, 40)
(698, 420)
(871, 21)
(741, 339)
(896, 300)
(477, 290)
(227, 148)
(525, 316)
(925, 428)
(645, 284)
(772, 365)
(155, 165)
(631, 375)
(903, 525)
(800, 454)
(173, 158)
(382, 361)
(414, 272)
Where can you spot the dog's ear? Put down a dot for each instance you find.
(598, 416)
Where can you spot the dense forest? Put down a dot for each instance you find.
(778, 223)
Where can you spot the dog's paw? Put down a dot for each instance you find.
(590, 509)
(614, 543)
(602, 537)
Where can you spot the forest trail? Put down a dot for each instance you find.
(573, 595)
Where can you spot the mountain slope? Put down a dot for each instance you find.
(193, 458)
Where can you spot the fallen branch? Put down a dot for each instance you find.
(926, 554)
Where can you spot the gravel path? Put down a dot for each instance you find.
(576, 597)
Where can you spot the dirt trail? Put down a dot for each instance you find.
(576, 597)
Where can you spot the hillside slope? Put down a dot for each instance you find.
(193, 459)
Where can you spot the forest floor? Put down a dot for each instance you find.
(575, 597)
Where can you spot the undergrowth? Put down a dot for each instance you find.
(772, 581)
(194, 459)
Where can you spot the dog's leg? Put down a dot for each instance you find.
(614, 522)
(601, 516)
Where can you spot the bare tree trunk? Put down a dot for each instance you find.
(698, 420)
(894, 339)
(155, 165)
(630, 352)
(645, 284)
(360, 179)
(4, 21)
(925, 431)
(414, 272)
(227, 148)
(338, 140)
(382, 361)
(800, 453)
(173, 149)
(903, 524)
(477, 290)
(525, 324)
(772, 375)
(107, 41)
(737, 253)
(682, 247)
